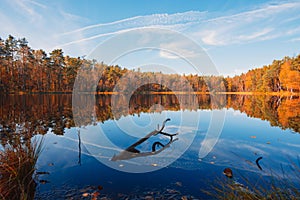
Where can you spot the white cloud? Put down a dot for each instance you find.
(179, 49)
(39, 24)
(81, 40)
(145, 21)
(255, 14)
(49, 27)
(90, 34)
(28, 8)
(255, 25)
(295, 39)
(37, 4)
(210, 38)
(255, 35)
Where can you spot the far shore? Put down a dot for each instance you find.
(284, 93)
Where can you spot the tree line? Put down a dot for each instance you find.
(23, 69)
(281, 75)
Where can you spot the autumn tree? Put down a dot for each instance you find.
(57, 65)
(289, 78)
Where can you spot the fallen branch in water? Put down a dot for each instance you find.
(132, 152)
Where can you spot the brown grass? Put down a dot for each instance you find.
(17, 166)
(278, 188)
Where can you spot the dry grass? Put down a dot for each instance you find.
(17, 166)
(276, 188)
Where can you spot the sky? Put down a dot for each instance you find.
(236, 35)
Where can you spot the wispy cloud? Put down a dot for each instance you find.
(258, 24)
(40, 23)
(28, 8)
(50, 25)
(94, 33)
(254, 14)
(255, 25)
(211, 37)
(86, 39)
(183, 49)
(295, 39)
(37, 4)
(255, 35)
(145, 21)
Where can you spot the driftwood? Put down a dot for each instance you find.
(132, 152)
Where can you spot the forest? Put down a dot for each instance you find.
(25, 70)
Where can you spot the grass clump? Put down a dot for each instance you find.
(17, 167)
(267, 189)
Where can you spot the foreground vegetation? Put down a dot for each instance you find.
(24, 70)
(286, 188)
(17, 168)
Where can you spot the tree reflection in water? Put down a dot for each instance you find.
(41, 113)
(24, 116)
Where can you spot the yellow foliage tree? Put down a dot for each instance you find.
(289, 79)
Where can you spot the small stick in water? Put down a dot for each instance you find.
(258, 159)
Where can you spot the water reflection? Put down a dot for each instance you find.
(35, 113)
(243, 140)
(279, 111)
(40, 113)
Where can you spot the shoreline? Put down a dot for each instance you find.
(285, 93)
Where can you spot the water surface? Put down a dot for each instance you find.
(78, 157)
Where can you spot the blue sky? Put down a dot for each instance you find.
(237, 35)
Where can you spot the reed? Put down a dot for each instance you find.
(17, 167)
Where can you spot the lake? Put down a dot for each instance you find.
(88, 143)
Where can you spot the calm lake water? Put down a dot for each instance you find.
(214, 133)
